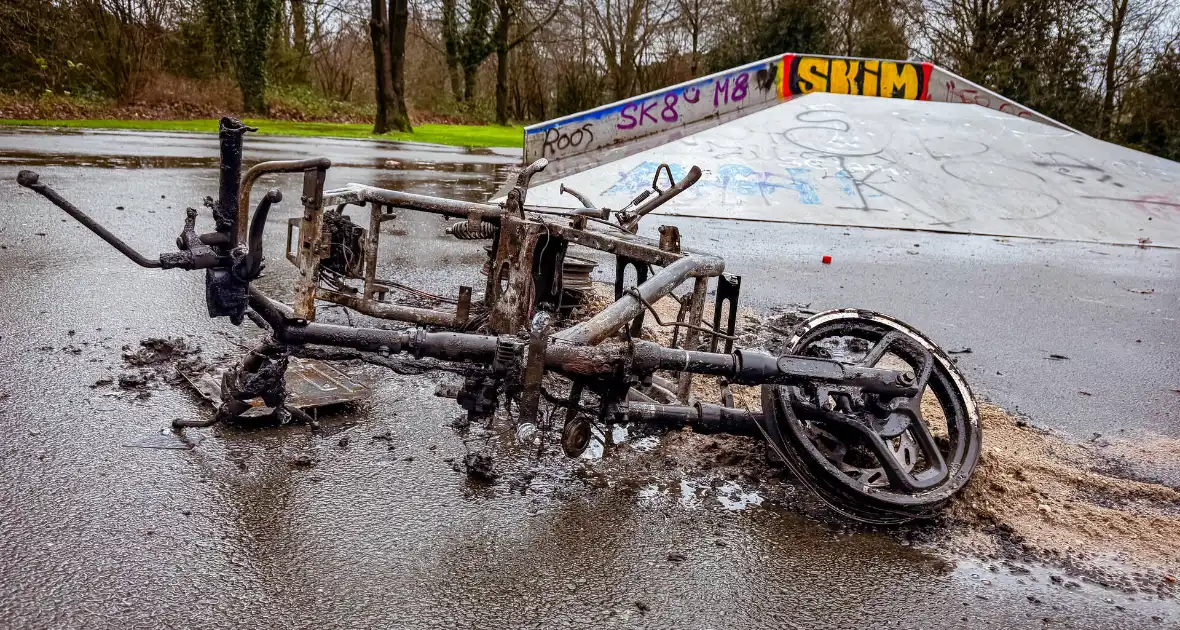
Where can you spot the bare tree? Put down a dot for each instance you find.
(507, 15)
(1127, 25)
(302, 49)
(388, 33)
(625, 30)
(469, 46)
(871, 28)
(451, 46)
(695, 16)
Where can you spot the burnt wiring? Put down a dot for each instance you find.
(556, 400)
(708, 330)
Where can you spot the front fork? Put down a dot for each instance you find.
(232, 257)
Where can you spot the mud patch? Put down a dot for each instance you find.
(1036, 495)
(152, 362)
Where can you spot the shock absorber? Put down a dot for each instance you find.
(463, 230)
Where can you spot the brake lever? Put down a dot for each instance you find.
(587, 209)
(629, 221)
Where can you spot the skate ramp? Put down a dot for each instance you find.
(937, 154)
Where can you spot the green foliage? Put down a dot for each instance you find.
(476, 111)
(801, 26)
(245, 27)
(312, 104)
(578, 89)
(879, 31)
(454, 135)
(1040, 60)
(1152, 109)
(192, 51)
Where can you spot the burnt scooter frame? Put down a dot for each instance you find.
(524, 287)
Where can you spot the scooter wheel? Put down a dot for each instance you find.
(872, 458)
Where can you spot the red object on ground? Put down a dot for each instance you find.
(827, 260)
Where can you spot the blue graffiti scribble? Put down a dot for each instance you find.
(639, 178)
(801, 182)
(849, 186)
(745, 181)
(737, 179)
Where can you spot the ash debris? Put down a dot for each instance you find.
(1039, 497)
(156, 350)
(480, 466)
(153, 360)
(1092, 510)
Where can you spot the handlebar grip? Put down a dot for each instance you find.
(28, 179)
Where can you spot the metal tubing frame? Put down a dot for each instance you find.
(678, 266)
(580, 353)
(30, 180)
(263, 168)
(579, 360)
(696, 309)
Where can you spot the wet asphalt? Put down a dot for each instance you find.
(287, 528)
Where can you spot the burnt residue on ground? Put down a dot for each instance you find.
(1036, 500)
(157, 350)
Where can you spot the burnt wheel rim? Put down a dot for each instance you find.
(838, 468)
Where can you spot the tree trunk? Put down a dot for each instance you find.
(399, 20)
(848, 21)
(503, 22)
(502, 86)
(299, 26)
(469, 71)
(455, 77)
(299, 38)
(1112, 57)
(255, 30)
(245, 28)
(379, 34)
(451, 45)
(476, 44)
(252, 79)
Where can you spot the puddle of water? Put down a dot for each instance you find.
(645, 444)
(734, 498)
(691, 494)
(106, 161)
(694, 495)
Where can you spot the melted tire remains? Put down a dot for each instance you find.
(836, 440)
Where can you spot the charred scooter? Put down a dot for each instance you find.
(863, 409)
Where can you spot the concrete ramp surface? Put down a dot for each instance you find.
(839, 159)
